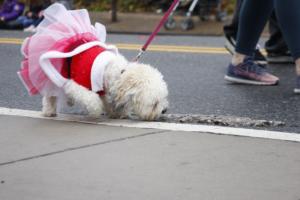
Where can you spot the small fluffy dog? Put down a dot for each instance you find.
(131, 90)
(71, 55)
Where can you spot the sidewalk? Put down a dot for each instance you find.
(46, 159)
(146, 22)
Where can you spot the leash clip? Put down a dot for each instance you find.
(139, 55)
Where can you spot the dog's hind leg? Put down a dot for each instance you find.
(49, 106)
(70, 102)
(90, 100)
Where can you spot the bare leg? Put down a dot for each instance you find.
(237, 58)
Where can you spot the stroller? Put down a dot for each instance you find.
(205, 7)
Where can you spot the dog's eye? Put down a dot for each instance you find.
(155, 105)
(123, 70)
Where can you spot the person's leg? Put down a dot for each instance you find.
(232, 28)
(3, 25)
(275, 42)
(276, 47)
(289, 20)
(27, 22)
(38, 21)
(14, 25)
(253, 17)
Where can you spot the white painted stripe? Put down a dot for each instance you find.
(275, 135)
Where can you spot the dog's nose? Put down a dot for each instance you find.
(164, 111)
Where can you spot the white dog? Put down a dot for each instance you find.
(131, 90)
(69, 54)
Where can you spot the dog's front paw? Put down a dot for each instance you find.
(114, 115)
(49, 114)
(94, 107)
(49, 107)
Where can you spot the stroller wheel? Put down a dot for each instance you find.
(187, 24)
(170, 24)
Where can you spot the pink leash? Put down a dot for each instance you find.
(151, 37)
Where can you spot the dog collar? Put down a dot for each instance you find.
(101, 93)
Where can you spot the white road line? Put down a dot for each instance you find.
(160, 125)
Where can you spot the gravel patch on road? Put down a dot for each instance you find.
(219, 120)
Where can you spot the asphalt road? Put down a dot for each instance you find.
(195, 80)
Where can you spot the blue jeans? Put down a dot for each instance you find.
(25, 21)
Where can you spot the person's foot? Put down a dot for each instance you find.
(230, 45)
(297, 88)
(278, 58)
(30, 28)
(259, 57)
(250, 73)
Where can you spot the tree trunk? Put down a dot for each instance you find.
(114, 17)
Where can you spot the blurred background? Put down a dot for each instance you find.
(187, 17)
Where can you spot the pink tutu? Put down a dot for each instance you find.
(60, 31)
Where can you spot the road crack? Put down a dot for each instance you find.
(80, 147)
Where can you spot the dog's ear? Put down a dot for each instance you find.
(119, 108)
(155, 106)
(121, 102)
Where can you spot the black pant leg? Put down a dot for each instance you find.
(288, 15)
(3, 25)
(232, 28)
(276, 43)
(254, 15)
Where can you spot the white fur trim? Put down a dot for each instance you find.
(98, 68)
(101, 32)
(51, 71)
(23, 47)
(22, 80)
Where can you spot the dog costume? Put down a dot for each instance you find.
(66, 46)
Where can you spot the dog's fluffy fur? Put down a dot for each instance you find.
(131, 90)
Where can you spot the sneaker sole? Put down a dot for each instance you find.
(280, 60)
(229, 47)
(248, 82)
(297, 91)
(261, 62)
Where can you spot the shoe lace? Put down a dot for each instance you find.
(250, 66)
